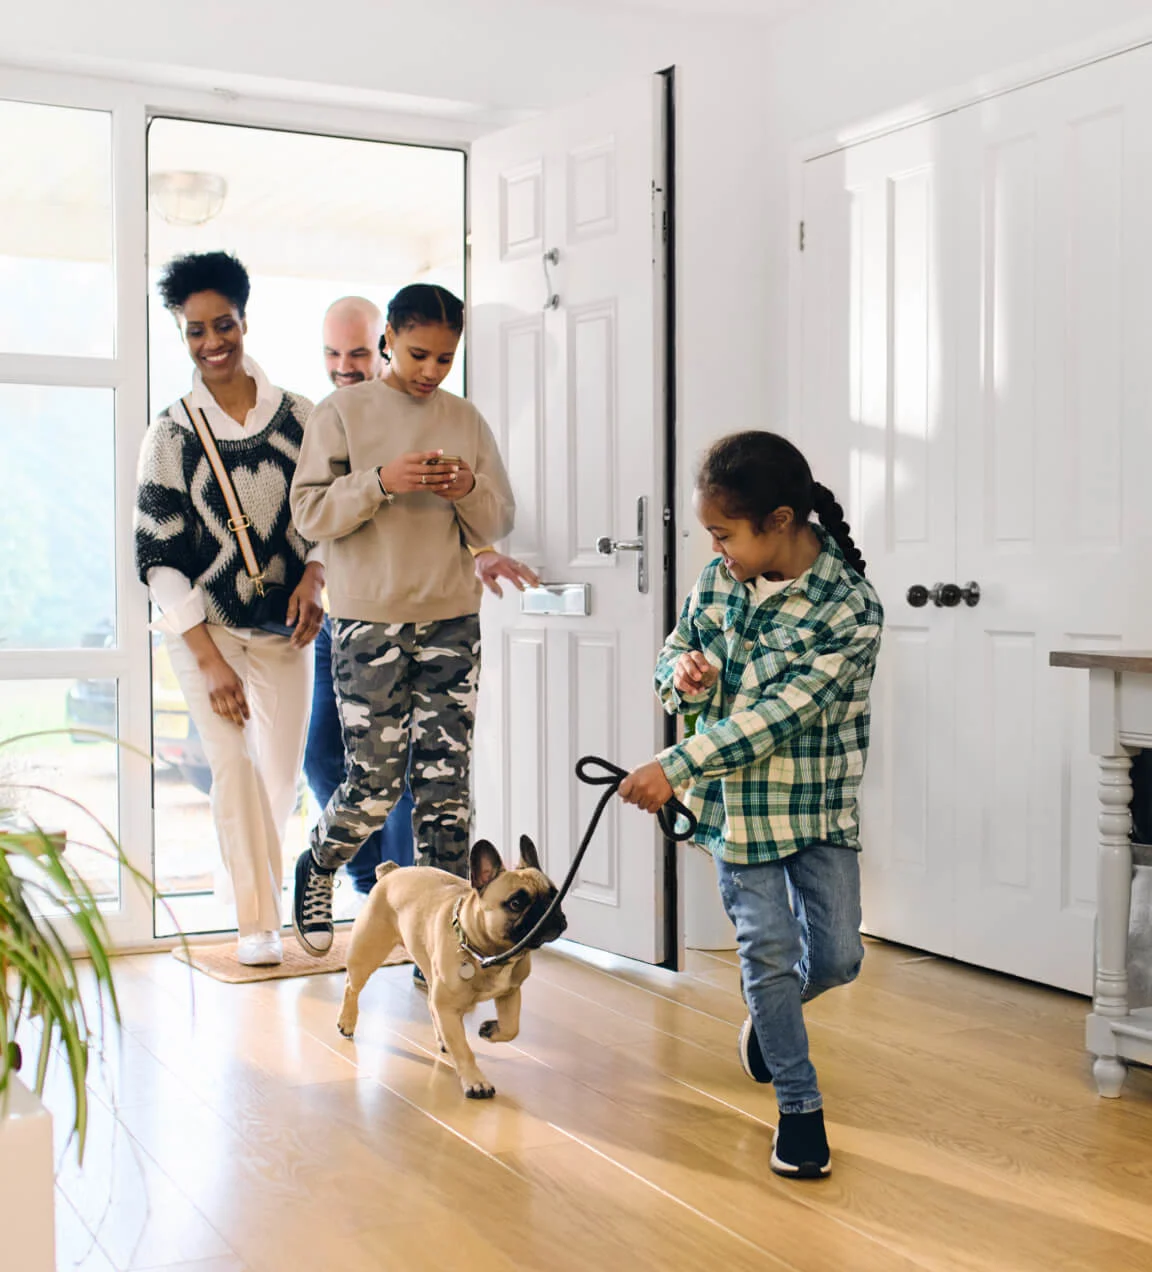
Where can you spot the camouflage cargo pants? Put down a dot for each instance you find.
(395, 683)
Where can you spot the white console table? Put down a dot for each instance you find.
(1119, 723)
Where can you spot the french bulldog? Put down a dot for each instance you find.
(444, 923)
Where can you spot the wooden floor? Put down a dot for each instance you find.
(235, 1130)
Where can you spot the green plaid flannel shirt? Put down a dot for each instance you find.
(778, 751)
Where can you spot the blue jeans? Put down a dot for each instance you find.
(324, 769)
(798, 933)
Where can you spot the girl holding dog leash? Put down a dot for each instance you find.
(774, 653)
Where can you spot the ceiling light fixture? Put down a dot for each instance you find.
(186, 198)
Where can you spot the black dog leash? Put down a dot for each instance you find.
(610, 778)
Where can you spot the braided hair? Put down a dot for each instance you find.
(421, 304)
(752, 474)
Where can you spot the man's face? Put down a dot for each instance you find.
(351, 349)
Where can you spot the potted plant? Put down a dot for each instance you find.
(45, 1000)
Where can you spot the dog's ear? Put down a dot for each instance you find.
(485, 864)
(529, 860)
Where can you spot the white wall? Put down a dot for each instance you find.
(836, 65)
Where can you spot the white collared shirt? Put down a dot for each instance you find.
(180, 602)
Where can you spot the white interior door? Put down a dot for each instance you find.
(977, 316)
(573, 391)
(1055, 524)
(877, 426)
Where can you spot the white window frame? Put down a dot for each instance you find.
(132, 105)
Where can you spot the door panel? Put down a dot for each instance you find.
(573, 390)
(1054, 524)
(877, 428)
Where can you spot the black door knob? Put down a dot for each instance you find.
(946, 595)
(917, 596)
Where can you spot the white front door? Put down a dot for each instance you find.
(566, 361)
(977, 321)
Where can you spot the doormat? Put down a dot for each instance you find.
(219, 961)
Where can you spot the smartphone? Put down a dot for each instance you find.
(444, 459)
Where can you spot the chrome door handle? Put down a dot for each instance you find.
(607, 546)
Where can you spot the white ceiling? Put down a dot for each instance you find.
(482, 59)
(769, 10)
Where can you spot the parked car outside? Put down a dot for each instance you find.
(91, 704)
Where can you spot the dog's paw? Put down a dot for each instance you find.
(482, 1090)
(490, 1032)
(346, 1031)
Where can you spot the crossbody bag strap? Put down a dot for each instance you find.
(238, 521)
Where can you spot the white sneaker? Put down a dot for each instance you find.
(260, 949)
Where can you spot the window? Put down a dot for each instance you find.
(57, 290)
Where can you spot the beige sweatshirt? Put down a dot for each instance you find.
(405, 561)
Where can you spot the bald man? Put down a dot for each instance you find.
(353, 331)
(353, 327)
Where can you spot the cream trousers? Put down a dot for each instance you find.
(255, 768)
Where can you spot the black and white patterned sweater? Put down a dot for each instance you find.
(181, 519)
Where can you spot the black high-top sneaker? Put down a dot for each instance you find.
(800, 1147)
(312, 905)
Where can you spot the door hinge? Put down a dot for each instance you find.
(658, 202)
(801, 235)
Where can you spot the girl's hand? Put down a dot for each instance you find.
(461, 480)
(415, 471)
(694, 673)
(226, 690)
(646, 787)
(305, 612)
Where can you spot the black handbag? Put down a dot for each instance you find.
(271, 608)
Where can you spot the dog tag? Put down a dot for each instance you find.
(467, 971)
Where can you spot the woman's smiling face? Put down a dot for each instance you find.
(213, 330)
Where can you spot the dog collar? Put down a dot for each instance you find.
(467, 970)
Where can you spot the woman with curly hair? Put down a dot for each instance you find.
(246, 674)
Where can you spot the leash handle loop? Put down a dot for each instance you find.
(610, 777)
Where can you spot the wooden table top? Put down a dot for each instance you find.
(1132, 660)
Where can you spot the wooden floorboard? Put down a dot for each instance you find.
(234, 1130)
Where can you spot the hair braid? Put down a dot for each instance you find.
(831, 517)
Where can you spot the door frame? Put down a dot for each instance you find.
(674, 956)
(133, 103)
